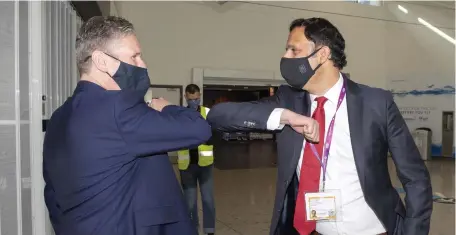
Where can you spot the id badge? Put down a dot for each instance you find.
(322, 206)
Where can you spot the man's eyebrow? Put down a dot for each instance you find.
(290, 47)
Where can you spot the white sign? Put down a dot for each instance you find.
(417, 114)
(422, 105)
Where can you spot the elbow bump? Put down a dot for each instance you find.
(200, 131)
(206, 132)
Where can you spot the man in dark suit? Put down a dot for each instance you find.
(106, 166)
(358, 126)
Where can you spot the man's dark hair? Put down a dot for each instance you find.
(321, 32)
(192, 89)
(96, 34)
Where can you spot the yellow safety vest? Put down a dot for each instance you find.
(205, 152)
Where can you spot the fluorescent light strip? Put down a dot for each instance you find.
(438, 31)
(402, 9)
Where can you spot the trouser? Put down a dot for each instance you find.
(285, 226)
(190, 179)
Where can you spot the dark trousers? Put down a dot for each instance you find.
(190, 179)
(285, 226)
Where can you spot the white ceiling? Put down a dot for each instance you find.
(442, 4)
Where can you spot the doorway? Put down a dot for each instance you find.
(241, 150)
(447, 133)
(214, 94)
(172, 94)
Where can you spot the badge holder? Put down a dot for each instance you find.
(323, 206)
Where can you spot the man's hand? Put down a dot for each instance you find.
(158, 104)
(301, 124)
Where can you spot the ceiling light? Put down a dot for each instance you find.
(402, 9)
(438, 31)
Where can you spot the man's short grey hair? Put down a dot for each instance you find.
(96, 34)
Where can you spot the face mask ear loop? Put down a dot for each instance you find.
(111, 56)
(326, 58)
(313, 53)
(111, 76)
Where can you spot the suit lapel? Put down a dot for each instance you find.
(302, 106)
(356, 125)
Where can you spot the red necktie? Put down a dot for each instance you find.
(309, 177)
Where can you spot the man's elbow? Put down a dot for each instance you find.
(218, 116)
(202, 131)
(206, 133)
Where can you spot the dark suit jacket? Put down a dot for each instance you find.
(376, 126)
(106, 166)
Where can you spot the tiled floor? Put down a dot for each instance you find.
(244, 199)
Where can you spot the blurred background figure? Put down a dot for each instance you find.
(196, 168)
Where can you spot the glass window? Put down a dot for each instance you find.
(367, 2)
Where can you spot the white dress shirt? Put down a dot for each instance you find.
(341, 175)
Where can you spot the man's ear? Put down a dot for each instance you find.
(325, 54)
(99, 60)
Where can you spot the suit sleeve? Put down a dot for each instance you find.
(148, 132)
(411, 171)
(49, 198)
(247, 116)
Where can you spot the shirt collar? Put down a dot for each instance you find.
(333, 93)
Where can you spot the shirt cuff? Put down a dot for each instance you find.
(274, 120)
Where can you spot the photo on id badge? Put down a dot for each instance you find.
(322, 206)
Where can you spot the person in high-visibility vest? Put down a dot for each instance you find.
(196, 167)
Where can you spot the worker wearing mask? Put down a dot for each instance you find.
(196, 167)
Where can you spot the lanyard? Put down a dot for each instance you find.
(327, 144)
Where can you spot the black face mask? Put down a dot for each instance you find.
(130, 77)
(297, 71)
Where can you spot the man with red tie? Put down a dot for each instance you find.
(340, 183)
